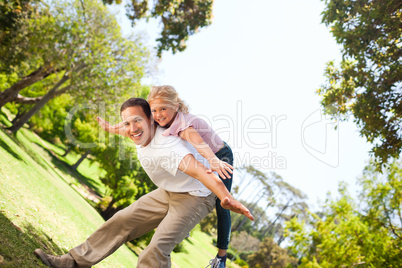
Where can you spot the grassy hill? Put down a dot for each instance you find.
(42, 204)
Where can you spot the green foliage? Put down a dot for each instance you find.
(241, 263)
(12, 13)
(367, 85)
(180, 248)
(125, 180)
(49, 123)
(180, 19)
(343, 235)
(231, 254)
(83, 52)
(208, 224)
(6, 80)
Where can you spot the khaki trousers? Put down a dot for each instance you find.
(173, 215)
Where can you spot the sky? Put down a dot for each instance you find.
(253, 75)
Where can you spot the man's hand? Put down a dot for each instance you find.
(116, 129)
(236, 206)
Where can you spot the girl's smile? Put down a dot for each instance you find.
(163, 112)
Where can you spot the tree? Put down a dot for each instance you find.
(12, 13)
(82, 52)
(180, 19)
(381, 197)
(243, 242)
(125, 179)
(367, 85)
(271, 254)
(280, 201)
(345, 234)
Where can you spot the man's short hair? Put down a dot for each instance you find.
(132, 102)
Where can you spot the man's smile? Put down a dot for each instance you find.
(137, 136)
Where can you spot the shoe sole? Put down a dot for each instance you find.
(42, 256)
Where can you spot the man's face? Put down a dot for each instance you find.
(136, 125)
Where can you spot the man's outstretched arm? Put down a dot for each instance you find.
(195, 169)
(116, 129)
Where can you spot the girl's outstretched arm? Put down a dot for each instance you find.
(194, 138)
(116, 129)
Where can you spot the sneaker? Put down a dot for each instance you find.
(64, 261)
(216, 263)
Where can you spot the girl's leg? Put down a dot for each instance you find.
(223, 215)
(224, 223)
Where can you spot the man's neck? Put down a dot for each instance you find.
(153, 131)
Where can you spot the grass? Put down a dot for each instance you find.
(198, 250)
(40, 209)
(42, 205)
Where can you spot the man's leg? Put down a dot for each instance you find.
(139, 218)
(185, 211)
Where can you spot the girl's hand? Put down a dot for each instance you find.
(116, 129)
(221, 167)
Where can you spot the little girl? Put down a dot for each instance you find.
(170, 112)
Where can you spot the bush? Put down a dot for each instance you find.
(241, 263)
(180, 248)
(245, 255)
(231, 254)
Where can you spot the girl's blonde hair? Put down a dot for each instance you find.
(168, 94)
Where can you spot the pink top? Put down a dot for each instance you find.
(183, 121)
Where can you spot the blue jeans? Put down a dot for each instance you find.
(224, 220)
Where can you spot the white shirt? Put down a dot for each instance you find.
(161, 158)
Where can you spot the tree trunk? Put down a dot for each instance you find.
(277, 217)
(110, 210)
(47, 97)
(29, 100)
(242, 219)
(75, 166)
(11, 93)
(67, 150)
(280, 240)
(18, 116)
(17, 125)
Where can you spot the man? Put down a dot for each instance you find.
(182, 200)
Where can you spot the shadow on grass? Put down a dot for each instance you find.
(17, 142)
(62, 166)
(66, 168)
(4, 119)
(189, 241)
(6, 147)
(18, 244)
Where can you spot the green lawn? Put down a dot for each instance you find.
(38, 208)
(42, 205)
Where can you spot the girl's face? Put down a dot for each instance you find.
(163, 112)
